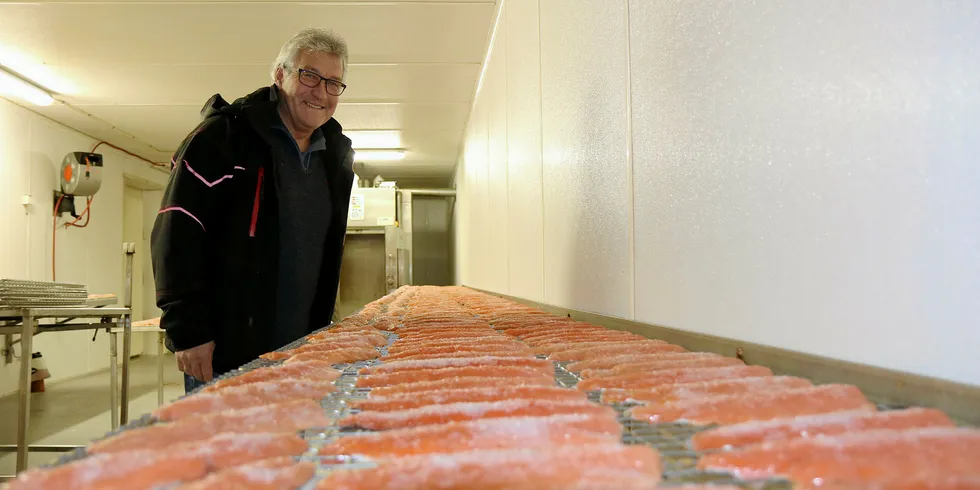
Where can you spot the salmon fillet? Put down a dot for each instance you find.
(441, 336)
(444, 362)
(331, 357)
(460, 354)
(550, 341)
(137, 470)
(673, 392)
(898, 482)
(610, 349)
(509, 372)
(456, 383)
(543, 468)
(617, 360)
(244, 396)
(375, 339)
(453, 351)
(661, 378)
(310, 370)
(780, 429)
(288, 416)
(153, 468)
(653, 366)
(400, 346)
(860, 458)
(359, 351)
(452, 412)
(763, 405)
(268, 474)
(455, 395)
(500, 433)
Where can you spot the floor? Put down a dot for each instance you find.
(76, 411)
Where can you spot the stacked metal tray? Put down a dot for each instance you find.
(17, 293)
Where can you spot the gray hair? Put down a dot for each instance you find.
(311, 39)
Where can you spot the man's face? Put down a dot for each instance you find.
(310, 107)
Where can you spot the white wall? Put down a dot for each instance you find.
(801, 175)
(31, 149)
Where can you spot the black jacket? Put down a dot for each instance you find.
(215, 240)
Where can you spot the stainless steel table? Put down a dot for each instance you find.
(27, 322)
(30, 325)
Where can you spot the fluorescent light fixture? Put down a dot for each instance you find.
(38, 73)
(378, 155)
(375, 140)
(15, 86)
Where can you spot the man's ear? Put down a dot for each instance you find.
(280, 74)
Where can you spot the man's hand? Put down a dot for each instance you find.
(196, 361)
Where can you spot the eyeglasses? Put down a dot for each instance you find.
(312, 79)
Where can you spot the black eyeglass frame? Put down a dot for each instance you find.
(328, 82)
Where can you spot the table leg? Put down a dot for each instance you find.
(160, 342)
(127, 344)
(113, 381)
(24, 413)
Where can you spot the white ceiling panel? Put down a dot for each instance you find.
(242, 33)
(136, 73)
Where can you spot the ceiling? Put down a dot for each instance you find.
(136, 73)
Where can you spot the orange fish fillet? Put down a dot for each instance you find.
(342, 356)
(151, 469)
(673, 392)
(660, 378)
(288, 416)
(860, 458)
(399, 346)
(440, 414)
(444, 362)
(509, 372)
(244, 396)
(899, 482)
(617, 360)
(311, 370)
(334, 352)
(545, 468)
(506, 432)
(652, 366)
(456, 383)
(514, 348)
(781, 429)
(455, 395)
(610, 349)
(468, 352)
(764, 405)
(267, 474)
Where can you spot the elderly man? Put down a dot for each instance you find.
(248, 241)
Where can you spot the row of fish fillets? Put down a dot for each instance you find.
(826, 436)
(454, 404)
(242, 431)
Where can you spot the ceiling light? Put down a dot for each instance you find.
(375, 140)
(378, 155)
(15, 86)
(38, 73)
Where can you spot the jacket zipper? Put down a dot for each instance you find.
(256, 203)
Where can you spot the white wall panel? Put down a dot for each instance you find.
(476, 171)
(526, 240)
(495, 90)
(31, 150)
(806, 176)
(586, 192)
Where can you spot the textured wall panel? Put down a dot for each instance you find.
(806, 176)
(495, 93)
(586, 193)
(479, 202)
(526, 247)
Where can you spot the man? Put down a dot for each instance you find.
(248, 241)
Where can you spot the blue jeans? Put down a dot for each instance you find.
(191, 383)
